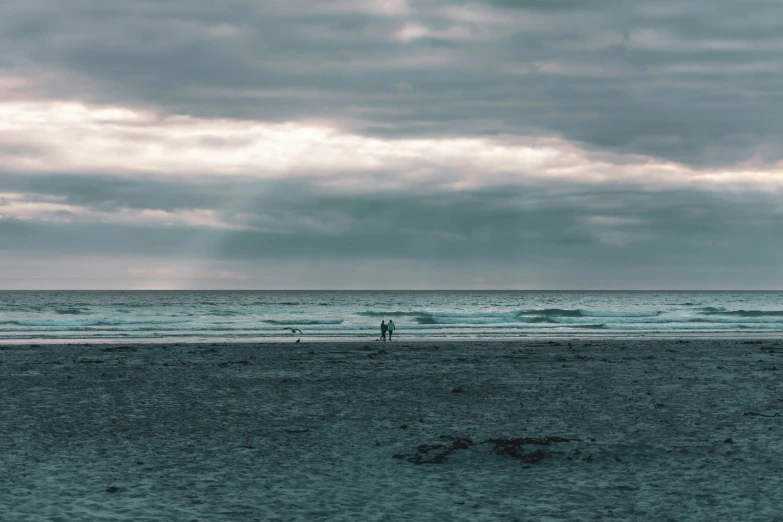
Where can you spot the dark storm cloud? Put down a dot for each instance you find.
(578, 227)
(695, 81)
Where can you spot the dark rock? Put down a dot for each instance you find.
(426, 448)
(511, 447)
(112, 489)
(442, 450)
(514, 448)
(754, 414)
(458, 389)
(728, 441)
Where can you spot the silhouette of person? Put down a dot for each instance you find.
(390, 328)
(383, 331)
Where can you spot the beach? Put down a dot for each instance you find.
(605, 429)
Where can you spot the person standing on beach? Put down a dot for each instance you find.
(391, 329)
(383, 331)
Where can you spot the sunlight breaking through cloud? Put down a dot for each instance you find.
(73, 137)
(48, 209)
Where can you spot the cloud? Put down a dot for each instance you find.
(536, 236)
(414, 31)
(71, 138)
(692, 82)
(290, 219)
(530, 143)
(42, 208)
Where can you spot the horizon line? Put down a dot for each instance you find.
(381, 290)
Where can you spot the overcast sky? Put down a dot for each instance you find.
(402, 144)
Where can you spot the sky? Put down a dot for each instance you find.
(391, 144)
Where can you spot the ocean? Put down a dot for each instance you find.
(265, 316)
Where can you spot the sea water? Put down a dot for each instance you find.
(259, 316)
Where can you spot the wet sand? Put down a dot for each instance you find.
(656, 429)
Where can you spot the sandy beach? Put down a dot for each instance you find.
(637, 430)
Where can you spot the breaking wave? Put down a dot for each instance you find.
(559, 312)
(552, 312)
(296, 322)
(357, 315)
(390, 314)
(69, 311)
(742, 313)
(549, 315)
(88, 322)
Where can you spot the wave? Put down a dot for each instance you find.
(609, 314)
(69, 311)
(539, 320)
(741, 313)
(552, 312)
(452, 319)
(223, 313)
(85, 322)
(423, 317)
(246, 313)
(392, 314)
(299, 323)
(560, 312)
(548, 315)
(589, 326)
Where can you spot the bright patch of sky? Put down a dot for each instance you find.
(544, 144)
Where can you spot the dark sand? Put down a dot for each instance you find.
(309, 431)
